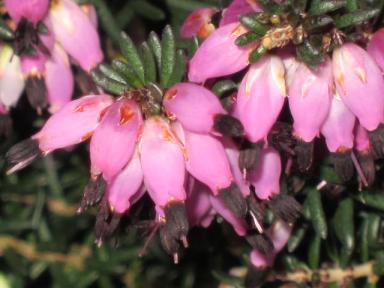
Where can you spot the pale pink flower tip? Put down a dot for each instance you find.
(198, 23)
(33, 10)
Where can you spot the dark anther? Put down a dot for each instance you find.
(228, 125)
(177, 222)
(5, 125)
(260, 242)
(22, 154)
(285, 207)
(169, 243)
(368, 166)
(304, 155)
(255, 276)
(255, 214)
(234, 200)
(280, 137)
(249, 154)
(342, 161)
(93, 193)
(377, 141)
(106, 223)
(36, 92)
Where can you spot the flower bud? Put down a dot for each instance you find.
(310, 98)
(76, 33)
(74, 123)
(266, 176)
(114, 140)
(219, 55)
(162, 161)
(261, 97)
(359, 83)
(59, 79)
(91, 13)
(198, 23)
(11, 78)
(375, 47)
(194, 106)
(33, 10)
(124, 189)
(238, 8)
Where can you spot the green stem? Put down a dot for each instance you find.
(52, 177)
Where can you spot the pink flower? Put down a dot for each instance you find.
(162, 160)
(91, 12)
(338, 127)
(266, 176)
(33, 10)
(58, 79)
(193, 105)
(114, 140)
(198, 23)
(310, 99)
(124, 189)
(237, 9)
(261, 97)
(74, 123)
(219, 55)
(76, 33)
(362, 143)
(375, 47)
(359, 83)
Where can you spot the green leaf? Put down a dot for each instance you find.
(364, 246)
(221, 88)
(179, 69)
(355, 18)
(316, 211)
(247, 38)
(127, 72)
(296, 238)
(132, 56)
(317, 24)
(310, 52)
(155, 45)
(168, 53)
(251, 22)
(111, 73)
(352, 5)
(150, 71)
(108, 84)
(299, 6)
(6, 33)
(373, 200)
(314, 252)
(320, 7)
(147, 10)
(257, 54)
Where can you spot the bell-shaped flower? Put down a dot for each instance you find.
(125, 189)
(238, 8)
(194, 106)
(162, 160)
(59, 79)
(91, 12)
(261, 97)
(76, 33)
(219, 55)
(114, 141)
(375, 47)
(338, 127)
(11, 77)
(198, 23)
(310, 98)
(74, 123)
(33, 10)
(359, 83)
(266, 176)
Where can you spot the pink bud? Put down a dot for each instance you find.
(193, 105)
(162, 161)
(33, 10)
(76, 33)
(375, 47)
(261, 97)
(198, 205)
(11, 78)
(266, 176)
(310, 98)
(34, 65)
(74, 123)
(362, 143)
(124, 188)
(198, 23)
(238, 224)
(219, 55)
(58, 79)
(338, 127)
(360, 84)
(206, 160)
(237, 9)
(91, 13)
(114, 140)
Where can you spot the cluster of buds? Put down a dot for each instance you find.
(45, 38)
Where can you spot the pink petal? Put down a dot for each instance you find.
(33, 10)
